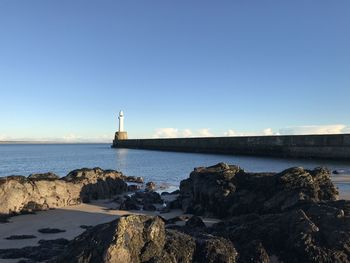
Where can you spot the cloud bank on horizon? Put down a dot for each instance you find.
(185, 133)
(296, 130)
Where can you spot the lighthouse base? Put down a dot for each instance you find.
(120, 136)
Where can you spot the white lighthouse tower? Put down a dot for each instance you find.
(121, 134)
(121, 121)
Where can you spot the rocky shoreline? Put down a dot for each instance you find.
(291, 216)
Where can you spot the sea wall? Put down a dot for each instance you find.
(296, 146)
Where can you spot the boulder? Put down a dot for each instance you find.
(134, 187)
(139, 238)
(150, 186)
(134, 179)
(128, 239)
(314, 232)
(195, 221)
(226, 190)
(129, 204)
(43, 176)
(19, 194)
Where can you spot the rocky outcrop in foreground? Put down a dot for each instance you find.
(227, 190)
(292, 216)
(20, 194)
(138, 238)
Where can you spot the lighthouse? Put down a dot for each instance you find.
(121, 121)
(121, 134)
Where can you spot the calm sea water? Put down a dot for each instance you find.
(158, 166)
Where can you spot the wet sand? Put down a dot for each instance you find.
(69, 219)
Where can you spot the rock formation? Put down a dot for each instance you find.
(226, 190)
(19, 194)
(144, 239)
(292, 216)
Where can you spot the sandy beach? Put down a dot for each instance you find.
(69, 219)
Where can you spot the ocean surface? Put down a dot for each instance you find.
(161, 167)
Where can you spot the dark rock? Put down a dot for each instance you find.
(128, 239)
(51, 230)
(129, 204)
(134, 179)
(134, 187)
(214, 250)
(195, 221)
(43, 176)
(225, 190)
(150, 186)
(137, 238)
(17, 237)
(148, 197)
(179, 247)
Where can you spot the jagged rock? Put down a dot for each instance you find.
(225, 190)
(195, 221)
(51, 230)
(134, 187)
(150, 186)
(137, 238)
(19, 194)
(214, 249)
(179, 247)
(127, 239)
(134, 179)
(315, 232)
(129, 204)
(148, 197)
(43, 176)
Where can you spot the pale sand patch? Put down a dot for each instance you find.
(68, 218)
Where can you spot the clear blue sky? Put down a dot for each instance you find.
(67, 67)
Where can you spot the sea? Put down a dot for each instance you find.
(164, 168)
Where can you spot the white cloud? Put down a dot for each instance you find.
(267, 131)
(3, 137)
(315, 129)
(295, 130)
(166, 133)
(205, 133)
(230, 133)
(176, 133)
(187, 133)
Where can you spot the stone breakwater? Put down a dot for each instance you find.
(20, 194)
(296, 146)
(292, 216)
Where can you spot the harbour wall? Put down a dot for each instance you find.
(294, 146)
